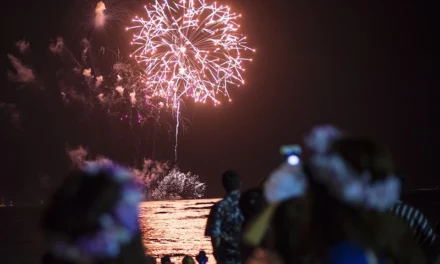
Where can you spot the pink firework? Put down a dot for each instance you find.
(189, 49)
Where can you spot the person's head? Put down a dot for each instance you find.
(231, 181)
(92, 217)
(351, 188)
(251, 203)
(364, 155)
(165, 260)
(201, 257)
(356, 171)
(188, 260)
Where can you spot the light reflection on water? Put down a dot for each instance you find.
(175, 228)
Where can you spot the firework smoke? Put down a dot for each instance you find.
(86, 46)
(160, 179)
(23, 46)
(99, 80)
(77, 156)
(99, 14)
(23, 73)
(87, 73)
(57, 47)
(179, 185)
(133, 98)
(13, 114)
(120, 90)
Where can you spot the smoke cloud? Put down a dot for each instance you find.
(133, 98)
(160, 179)
(86, 46)
(23, 46)
(120, 90)
(99, 80)
(78, 156)
(23, 73)
(13, 113)
(57, 47)
(87, 73)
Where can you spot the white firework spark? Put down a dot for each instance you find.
(190, 49)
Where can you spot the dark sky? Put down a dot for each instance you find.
(365, 66)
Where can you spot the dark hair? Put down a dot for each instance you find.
(75, 209)
(365, 155)
(201, 257)
(262, 182)
(165, 259)
(334, 222)
(188, 260)
(231, 180)
(289, 228)
(251, 202)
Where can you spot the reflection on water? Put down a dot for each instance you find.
(175, 228)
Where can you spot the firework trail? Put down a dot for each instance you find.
(189, 49)
(177, 131)
(23, 74)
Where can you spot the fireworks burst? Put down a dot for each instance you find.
(189, 49)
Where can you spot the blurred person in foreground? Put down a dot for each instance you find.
(92, 218)
(276, 231)
(225, 221)
(422, 230)
(350, 186)
(252, 202)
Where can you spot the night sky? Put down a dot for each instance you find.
(366, 67)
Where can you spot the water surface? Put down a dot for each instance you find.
(175, 228)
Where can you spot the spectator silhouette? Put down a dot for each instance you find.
(188, 260)
(92, 218)
(201, 257)
(225, 222)
(165, 260)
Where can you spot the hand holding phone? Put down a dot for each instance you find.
(291, 154)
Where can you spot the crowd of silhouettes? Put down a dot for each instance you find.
(340, 204)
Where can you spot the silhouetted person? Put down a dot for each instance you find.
(92, 218)
(188, 260)
(225, 222)
(202, 258)
(165, 260)
(252, 202)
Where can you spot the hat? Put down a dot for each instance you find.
(286, 182)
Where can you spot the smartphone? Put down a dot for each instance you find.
(291, 154)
